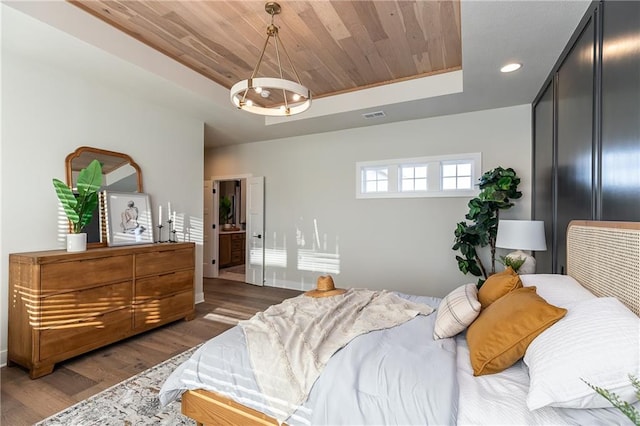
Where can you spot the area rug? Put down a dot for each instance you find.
(131, 402)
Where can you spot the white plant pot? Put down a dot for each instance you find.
(77, 242)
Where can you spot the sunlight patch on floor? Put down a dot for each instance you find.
(221, 318)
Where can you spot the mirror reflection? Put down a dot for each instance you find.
(119, 173)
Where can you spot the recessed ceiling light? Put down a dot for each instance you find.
(511, 67)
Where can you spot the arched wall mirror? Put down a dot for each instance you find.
(119, 173)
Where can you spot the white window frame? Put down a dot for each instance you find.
(456, 176)
(376, 170)
(434, 176)
(412, 166)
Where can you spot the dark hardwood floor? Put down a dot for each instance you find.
(24, 401)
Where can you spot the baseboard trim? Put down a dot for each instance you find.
(199, 298)
(3, 358)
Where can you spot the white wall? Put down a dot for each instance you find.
(47, 112)
(402, 244)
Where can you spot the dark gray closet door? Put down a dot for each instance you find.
(543, 176)
(620, 173)
(575, 142)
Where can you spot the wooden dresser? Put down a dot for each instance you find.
(64, 304)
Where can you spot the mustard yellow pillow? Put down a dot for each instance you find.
(501, 334)
(497, 285)
(507, 271)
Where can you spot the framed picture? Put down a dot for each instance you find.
(128, 217)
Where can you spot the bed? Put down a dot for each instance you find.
(424, 372)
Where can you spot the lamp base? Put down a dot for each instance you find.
(529, 265)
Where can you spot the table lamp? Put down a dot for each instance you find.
(522, 235)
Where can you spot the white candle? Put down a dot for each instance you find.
(159, 215)
(169, 210)
(174, 219)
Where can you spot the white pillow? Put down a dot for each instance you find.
(558, 290)
(598, 341)
(456, 311)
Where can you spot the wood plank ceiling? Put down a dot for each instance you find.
(337, 46)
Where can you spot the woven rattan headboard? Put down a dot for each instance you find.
(605, 258)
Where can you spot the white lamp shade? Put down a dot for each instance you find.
(521, 235)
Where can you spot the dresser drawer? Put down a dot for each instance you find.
(161, 262)
(160, 311)
(63, 342)
(61, 309)
(163, 285)
(63, 276)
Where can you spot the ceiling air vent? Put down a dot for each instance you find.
(376, 114)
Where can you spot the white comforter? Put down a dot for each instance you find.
(398, 375)
(290, 343)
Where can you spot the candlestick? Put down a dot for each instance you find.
(160, 215)
(159, 233)
(170, 229)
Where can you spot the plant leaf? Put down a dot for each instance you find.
(90, 179)
(67, 199)
(79, 210)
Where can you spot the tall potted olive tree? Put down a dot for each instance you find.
(79, 208)
(497, 188)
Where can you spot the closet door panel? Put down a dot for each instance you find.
(574, 140)
(543, 176)
(620, 173)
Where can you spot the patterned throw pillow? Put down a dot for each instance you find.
(456, 311)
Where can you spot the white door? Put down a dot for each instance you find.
(210, 243)
(254, 267)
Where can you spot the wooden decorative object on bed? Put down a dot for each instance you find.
(605, 258)
(64, 304)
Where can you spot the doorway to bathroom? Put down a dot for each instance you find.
(234, 220)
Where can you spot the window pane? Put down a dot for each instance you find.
(407, 185)
(382, 174)
(464, 183)
(448, 170)
(407, 172)
(421, 172)
(449, 183)
(421, 185)
(371, 186)
(383, 186)
(370, 174)
(464, 169)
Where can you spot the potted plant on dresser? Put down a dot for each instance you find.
(79, 207)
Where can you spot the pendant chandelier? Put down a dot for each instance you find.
(274, 96)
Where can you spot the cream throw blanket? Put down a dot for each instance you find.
(290, 343)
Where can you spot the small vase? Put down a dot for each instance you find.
(77, 242)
